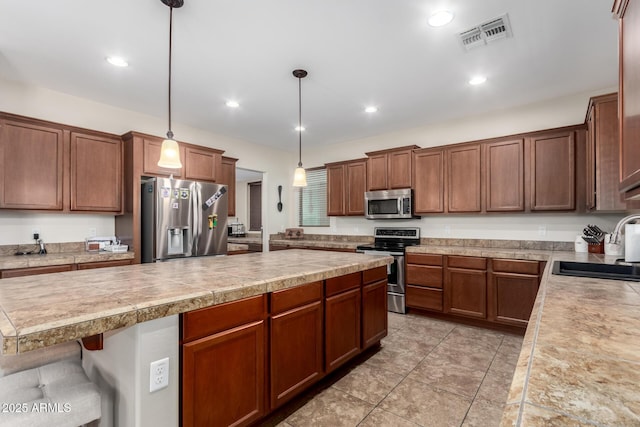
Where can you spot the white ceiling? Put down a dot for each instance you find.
(357, 52)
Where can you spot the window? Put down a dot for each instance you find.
(313, 200)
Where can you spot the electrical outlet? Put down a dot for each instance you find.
(92, 232)
(542, 230)
(35, 232)
(447, 230)
(158, 374)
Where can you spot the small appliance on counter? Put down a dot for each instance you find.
(236, 229)
(632, 242)
(96, 244)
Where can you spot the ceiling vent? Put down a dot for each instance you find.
(487, 32)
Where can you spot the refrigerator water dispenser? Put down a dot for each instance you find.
(176, 239)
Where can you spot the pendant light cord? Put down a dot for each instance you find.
(170, 133)
(299, 122)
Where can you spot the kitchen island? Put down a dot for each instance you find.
(48, 309)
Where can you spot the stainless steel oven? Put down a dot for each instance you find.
(392, 242)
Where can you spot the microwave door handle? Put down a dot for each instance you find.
(400, 200)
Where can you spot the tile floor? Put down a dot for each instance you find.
(427, 373)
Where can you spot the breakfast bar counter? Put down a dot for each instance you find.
(40, 311)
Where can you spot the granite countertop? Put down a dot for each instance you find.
(580, 358)
(328, 244)
(43, 310)
(8, 262)
(245, 240)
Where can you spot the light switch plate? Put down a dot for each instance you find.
(159, 374)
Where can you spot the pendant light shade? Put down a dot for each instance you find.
(170, 151)
(299, 176)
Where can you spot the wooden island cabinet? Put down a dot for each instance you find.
(243, 359)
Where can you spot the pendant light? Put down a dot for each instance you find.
(299, 176)
(170, 152)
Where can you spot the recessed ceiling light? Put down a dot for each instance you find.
(232, 104)
(440, 18)
(371, 109)
(300, 128)
(477, 80)
(117, 61)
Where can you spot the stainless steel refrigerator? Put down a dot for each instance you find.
(182, 218)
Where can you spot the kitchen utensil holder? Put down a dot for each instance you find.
(596, 248)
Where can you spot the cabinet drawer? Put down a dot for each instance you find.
(374, 275)
(32, 271)
(424, 275)
(343, 283)
(210, 320)
(515, 266)
(103, 264)
(424, 259)
(428, 299)
(287, 299)
(474, 263)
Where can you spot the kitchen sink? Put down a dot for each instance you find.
(599, 271)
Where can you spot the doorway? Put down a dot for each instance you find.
(255, 206)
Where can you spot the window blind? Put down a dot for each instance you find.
(313, 200)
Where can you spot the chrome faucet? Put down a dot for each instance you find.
(615, 236)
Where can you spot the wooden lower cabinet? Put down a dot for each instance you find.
(342, 328)
(296, 341)
(465, 287)
(32, 271)
(374, 307)
(223, 362)
(243, 359)
(103, 264)
(512, 290)
(424, 277)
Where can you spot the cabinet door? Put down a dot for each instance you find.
(31, 166)
(399, 169)
(504, 176)
(374, 313)
(151, 155)
(465, 292)
(463, 183)
(511, 297)
(296, 351)
(202, 164)
(356, 186)
(428, 181)
(629, 80)
(552, 171)
(336, 190)
(223, 379)
(229, 179)
(96, 173)
(342, 328)
(377, 171)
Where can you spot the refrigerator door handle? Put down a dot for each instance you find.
(195, 229)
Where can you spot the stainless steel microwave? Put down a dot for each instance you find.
(389, 204)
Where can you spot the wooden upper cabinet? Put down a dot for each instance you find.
(202, 164)
(229, 179)
(552, 163)
(151, 154)
(603, 156)
(31, 165)
(504, 176)
(464, 178)
(96, 173)
(390, 169)
(377, 172)
(356, 186)
(629, 91)
(336, 189)
(346, 184)
(428, 180)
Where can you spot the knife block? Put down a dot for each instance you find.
(596, 248)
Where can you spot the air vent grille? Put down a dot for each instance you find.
(487, 32)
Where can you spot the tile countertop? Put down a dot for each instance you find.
(43, 310)
(580, 358)
(327, 244)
